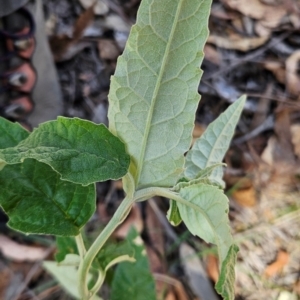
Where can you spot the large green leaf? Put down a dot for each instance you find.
(211, 147)
(207, 216)
(81, 151)
(225, 284)
(37, 201)
(153, 95)
(11, 134)
(134, 281)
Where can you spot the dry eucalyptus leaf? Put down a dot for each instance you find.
(20, 253)
(108, 49)
(100, 7)
(237, 42)
(278, 70)
(295, 131)
(292, 77)
(245, 197)
(277, 266)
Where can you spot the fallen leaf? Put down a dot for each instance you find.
(277, 266)
(21, 253)
(212, 267)
(237, 42)
(269, 15)
(245, 197)
(295, 132)
(292, 77)
(108, 49)
(278, 69)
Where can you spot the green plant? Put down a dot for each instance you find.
(48, 177)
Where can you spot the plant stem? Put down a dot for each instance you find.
(80, 245)
(119, 216)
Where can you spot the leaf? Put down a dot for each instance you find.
(153, 95)
(225, 284)
(37, 201)
(67, 275)
(81, 151)
(134, 281)
(173, 214)
(207, 217)
(11, 134)
(211, 147)
(65, 245)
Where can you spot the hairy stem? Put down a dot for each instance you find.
(119, 216)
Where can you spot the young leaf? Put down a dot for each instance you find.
(11, 134)
(134, 281)
(153, 95)
(65, 245)
(173, 214)
(37, 201)
(225, 284)
(81, 151)
(211, 147)
(207, 217)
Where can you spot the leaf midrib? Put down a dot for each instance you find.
(155, 93)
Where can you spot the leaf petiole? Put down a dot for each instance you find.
(85, 264)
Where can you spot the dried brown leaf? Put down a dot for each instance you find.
(237, 42)
(292, 77)
(245, 197)
(108, 49)
(20, 253)
(212, 267)
(277, 266)
(295, 132)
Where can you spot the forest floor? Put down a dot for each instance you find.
(254, 49)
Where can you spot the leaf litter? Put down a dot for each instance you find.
(253, 49)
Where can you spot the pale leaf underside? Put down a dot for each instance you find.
(153, 94)
(208, 218)
(211, 147)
